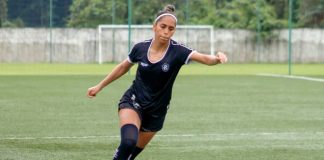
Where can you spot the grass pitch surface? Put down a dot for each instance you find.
(225, 113)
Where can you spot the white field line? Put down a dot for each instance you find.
(218, 136)
(292, 77)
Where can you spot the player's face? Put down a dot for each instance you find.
(164, 29)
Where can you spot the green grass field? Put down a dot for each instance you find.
(226, 112)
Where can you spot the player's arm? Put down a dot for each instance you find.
(117, 72)
(208, 59)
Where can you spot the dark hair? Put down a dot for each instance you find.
(167, 9)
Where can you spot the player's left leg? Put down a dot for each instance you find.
(143, 139)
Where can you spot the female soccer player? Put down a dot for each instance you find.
(143, 107)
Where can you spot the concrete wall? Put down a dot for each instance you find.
(32, 45)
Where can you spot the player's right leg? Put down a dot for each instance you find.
(129, 130)
(151, 124)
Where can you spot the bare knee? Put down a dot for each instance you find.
(144, 138)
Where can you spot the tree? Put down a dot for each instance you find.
(14, 23)
(281, 8)
(34, 13)
(3, 11)
(61, 12)
(85, 13)
(198, 11)
(145, 11)
(311, 13)
(245, 14)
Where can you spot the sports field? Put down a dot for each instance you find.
(226, 112)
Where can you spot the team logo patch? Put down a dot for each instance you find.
(165, 67)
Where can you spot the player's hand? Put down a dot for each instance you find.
(92, 91)
(221, 57)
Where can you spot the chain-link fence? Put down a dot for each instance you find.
(249, 31)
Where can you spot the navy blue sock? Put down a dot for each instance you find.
(129, 136)
(136, 151)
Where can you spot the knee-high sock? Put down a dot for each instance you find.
(136, 152)
(129, 136)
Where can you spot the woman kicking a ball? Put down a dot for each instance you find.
(143, 107)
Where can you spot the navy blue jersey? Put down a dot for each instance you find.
(152, 86)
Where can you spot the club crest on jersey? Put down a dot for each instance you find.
(165, 67)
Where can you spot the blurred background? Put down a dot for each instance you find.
(249, 109)
(249, 31)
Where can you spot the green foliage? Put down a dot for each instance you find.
(257, 15)
(86, 13)
(3, 11)
(245, 14)
(311, 13)
(220, 13)
(145, 11)
(16, 23)
(36, 13)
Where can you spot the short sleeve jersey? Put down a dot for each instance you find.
(153, 83)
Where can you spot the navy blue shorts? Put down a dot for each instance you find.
(151, 121)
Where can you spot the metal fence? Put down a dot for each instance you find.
(291, 30)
